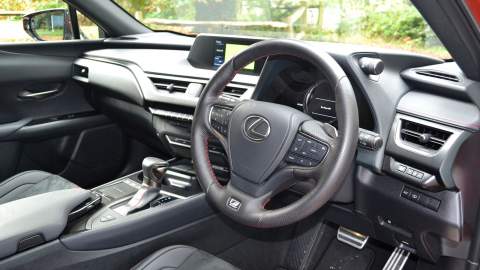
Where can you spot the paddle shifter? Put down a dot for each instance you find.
(153, 172)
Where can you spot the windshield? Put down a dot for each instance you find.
(381, 23)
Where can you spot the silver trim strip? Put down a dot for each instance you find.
(178, 183)
(332, 101)
(177, 174)
(38, 94)
(170, 141)
(174, 195)
(170, 114)
(321, 114)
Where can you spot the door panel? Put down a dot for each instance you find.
(46, 122)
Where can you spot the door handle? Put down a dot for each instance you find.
(27, 94)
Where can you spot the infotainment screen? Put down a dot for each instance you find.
(211, 51)
(224, 51)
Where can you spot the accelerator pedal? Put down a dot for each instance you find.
(352, 238)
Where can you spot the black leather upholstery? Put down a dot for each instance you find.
(182, 258)
(31, 183)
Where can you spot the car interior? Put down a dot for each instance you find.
(153, 150)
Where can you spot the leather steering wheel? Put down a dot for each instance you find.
(271, 146)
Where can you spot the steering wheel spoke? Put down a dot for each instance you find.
(219, 116)
(312, 145)
(219, 120)
(307, 151)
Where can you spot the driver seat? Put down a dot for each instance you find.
(182, 258)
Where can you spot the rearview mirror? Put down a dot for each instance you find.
(49, 25)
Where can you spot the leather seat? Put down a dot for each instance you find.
(31, 183)
(183, 258)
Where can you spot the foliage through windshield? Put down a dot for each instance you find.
(383, 23)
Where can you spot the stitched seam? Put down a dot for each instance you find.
(17, 176)
(24, 184)
(186, 259)
(160, 255)
(212, 173)
(17, 187)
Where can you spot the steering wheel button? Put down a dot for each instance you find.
(292, 158)
(299, 139)
(302, 161)
(296, 149)
(318, 152)
(311, 163)
(313, 153)
(297, 144)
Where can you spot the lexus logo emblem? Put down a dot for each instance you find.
(234, 204)
(256, 128)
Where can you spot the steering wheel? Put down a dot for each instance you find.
(270, 146)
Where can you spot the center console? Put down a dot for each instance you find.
(177, 182)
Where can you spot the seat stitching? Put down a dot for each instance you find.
(158, 256)
(24, 184)
(186, 259)
(22, 174)
(161, 254)
(48, 177)
(17, 187)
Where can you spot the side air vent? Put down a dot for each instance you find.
(438, 75)
(422, 135)
(234, 91)
(170, 85)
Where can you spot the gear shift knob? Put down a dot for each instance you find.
(153, 171)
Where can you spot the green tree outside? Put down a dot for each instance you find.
(383, 23)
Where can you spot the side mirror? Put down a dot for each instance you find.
(48, 25)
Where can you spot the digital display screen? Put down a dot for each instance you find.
(225, 51)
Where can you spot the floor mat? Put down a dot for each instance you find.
(340, 256)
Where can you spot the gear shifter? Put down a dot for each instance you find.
(153, 172)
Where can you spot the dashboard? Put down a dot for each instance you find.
(417, 137)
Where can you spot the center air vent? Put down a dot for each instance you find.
(234, 91)
(170, 85)
(438, 74)
(422, 135)
(173, 85)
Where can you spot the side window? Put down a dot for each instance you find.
(44, 20)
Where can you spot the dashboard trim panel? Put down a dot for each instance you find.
(143, 85)
(440, 109)
(440, 161)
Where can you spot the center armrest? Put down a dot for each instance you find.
(39, 218)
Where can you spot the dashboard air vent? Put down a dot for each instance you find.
(170, 85)
(422, 135)
(234, 91)
(80, 71)
(438, 75)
